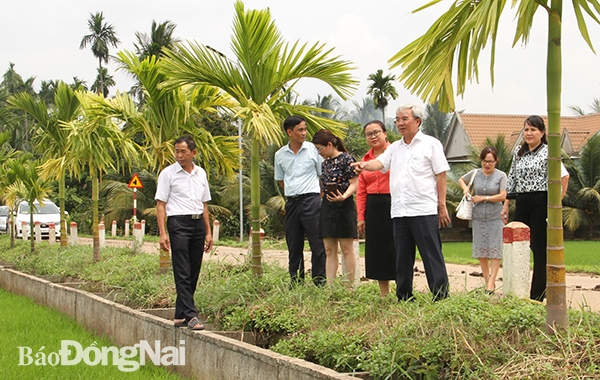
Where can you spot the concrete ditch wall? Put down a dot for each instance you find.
(208, 354)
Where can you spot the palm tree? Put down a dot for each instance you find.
(381, 89)
(328, 103)
(29, 186)
(101, 37)
(161, 36)
(95, 143)
(18, 123)
(363, 113)
(436, 123)
(103, 82)
(582, 203)
(266, 71)
(50, 137)
(461, 34)
(167, 113)
(595, 107)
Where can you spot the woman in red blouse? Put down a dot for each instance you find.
(373, 205)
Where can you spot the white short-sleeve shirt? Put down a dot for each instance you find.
(184, 193)
(413, 169)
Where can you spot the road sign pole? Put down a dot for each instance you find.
(134, 204)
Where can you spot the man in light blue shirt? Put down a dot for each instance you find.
(297, 170)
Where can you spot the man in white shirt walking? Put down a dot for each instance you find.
(417, 166)
(181, 197)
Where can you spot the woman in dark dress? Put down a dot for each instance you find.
(373, 204)
(338, 210)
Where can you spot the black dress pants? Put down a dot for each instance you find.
(302, 219)
(187, 248)
(532, 209)
(422, 232)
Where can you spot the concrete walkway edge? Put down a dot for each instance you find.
(208, 355)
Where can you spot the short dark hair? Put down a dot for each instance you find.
(291, 121)
(191, 144)
(487, 150)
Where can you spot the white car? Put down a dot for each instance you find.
(49, 213)
(3, 219)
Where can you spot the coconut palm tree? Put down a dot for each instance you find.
(103, 82)
(266, 71)
(101, 37)
(17, 122)
(50, 136)
(459, 36)
(582, 202)
(161, 36)
(363, 113)
(381, 89)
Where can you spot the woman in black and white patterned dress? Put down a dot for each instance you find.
(528, 178)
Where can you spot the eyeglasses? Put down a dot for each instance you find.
(403, 119)
(488, 162)
(319, 149)
(373, 134)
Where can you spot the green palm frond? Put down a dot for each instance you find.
(459, 35)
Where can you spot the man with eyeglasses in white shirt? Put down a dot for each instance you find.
(417, 166)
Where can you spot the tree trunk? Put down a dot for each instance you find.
(61, 203)
(95, 232)
(255, 206)
(556, 306)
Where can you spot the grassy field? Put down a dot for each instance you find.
(27, 324)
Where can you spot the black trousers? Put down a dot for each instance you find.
(302, 219)
(187, 248)
(422, 232)
(532, 209)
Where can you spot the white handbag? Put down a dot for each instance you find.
(464, 210)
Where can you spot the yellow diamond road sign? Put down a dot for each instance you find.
(135, 183)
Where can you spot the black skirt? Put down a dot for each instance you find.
(380, 254)
(338, 219)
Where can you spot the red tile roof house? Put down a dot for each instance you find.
(467, 130)
(472, 129)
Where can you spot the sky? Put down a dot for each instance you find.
(42, 39)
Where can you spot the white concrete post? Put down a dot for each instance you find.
(51, 233)
(73, 238)
(113, 228)
(515, 252)
(143, 227)
(24, 231)
(127, 228)
(138, 237)
(357, 273)
(38, 231)
(215, 233)
(102, 233)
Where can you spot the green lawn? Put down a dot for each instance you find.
(27, 324)
(580, 256)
